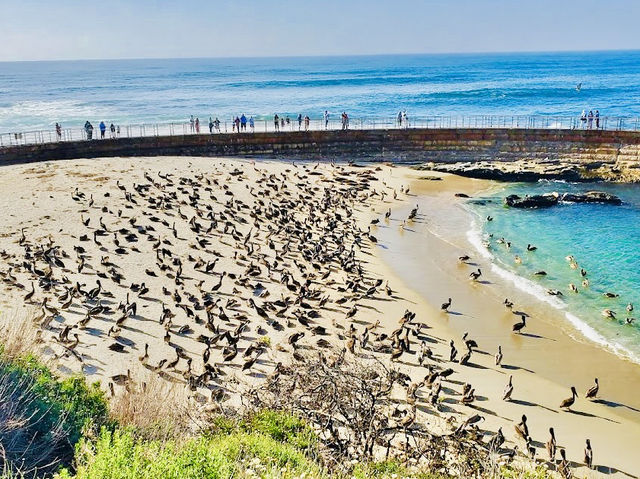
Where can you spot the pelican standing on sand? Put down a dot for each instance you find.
(567, 403)
(592, 392)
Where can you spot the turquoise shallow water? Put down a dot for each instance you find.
(603, 239)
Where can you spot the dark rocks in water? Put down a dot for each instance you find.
(591, 197)
(536, 201)
(551, 199)
(462, 195)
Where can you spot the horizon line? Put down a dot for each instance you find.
(348, 55)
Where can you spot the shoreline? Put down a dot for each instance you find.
(478, 305)
(545, 385)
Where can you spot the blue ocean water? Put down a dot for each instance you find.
(36, 95)
(603, 240)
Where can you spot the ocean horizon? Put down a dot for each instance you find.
(36, 95)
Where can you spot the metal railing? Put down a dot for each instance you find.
(317, 124)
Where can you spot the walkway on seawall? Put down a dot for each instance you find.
(415, 145)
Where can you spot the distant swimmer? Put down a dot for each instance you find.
(579, 86)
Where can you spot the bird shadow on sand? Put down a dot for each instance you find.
(522, 402)
(455, 313)
(516, 368)
(486, 411)
(612, 470)
(536, 336)
(614, 404)
(476, 366)
(588, 414)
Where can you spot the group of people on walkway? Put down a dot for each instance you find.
(587, 120)
(403, 119)
(88, 129)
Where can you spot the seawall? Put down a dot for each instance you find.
(584, 148)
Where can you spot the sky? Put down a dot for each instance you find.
(101, 29)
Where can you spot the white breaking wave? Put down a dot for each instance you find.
(35, 115)
(475, 237)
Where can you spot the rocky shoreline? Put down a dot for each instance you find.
(546, 169)
(548, 200)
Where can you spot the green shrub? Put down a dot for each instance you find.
(41, 417)
(119, 455)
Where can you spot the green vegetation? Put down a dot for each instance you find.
(41, 417)
(61, 428)
(121, 455)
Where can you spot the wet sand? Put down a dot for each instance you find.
(545, 360)
(421, 269)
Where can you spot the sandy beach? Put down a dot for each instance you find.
(224, 283)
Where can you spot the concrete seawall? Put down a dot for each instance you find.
(411, 145)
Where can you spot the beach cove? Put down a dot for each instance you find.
(420, 263)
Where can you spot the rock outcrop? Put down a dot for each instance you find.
(551, 199)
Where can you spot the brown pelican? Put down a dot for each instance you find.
(567, 403)
(508, 390)
(592, 392)
(518, 327)
(551, 445)
(446, 306)
(588, 455)
(499, 356)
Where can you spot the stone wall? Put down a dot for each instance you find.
(412, 145)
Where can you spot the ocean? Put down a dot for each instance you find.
(603, 239)
(36, 95)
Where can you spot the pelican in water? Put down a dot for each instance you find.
(607, 313)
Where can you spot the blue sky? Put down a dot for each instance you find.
(74, 29)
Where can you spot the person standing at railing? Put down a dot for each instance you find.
(307, 120)
(590, 119)
(276, 122)
(583, 119)
(326, 119)
(59, 131)
(400, 119)
(112, 129)
(197, 125)
(88, 128)
(103, 129)
(243, 122)
(210, 126)
(252, 124)
(216, 124)
(191, 123)
(299, 121)
(597, 120)
(405, 119)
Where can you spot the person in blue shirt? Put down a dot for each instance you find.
(243, 122)
(103, 128)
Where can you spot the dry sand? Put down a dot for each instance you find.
(544, 363)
